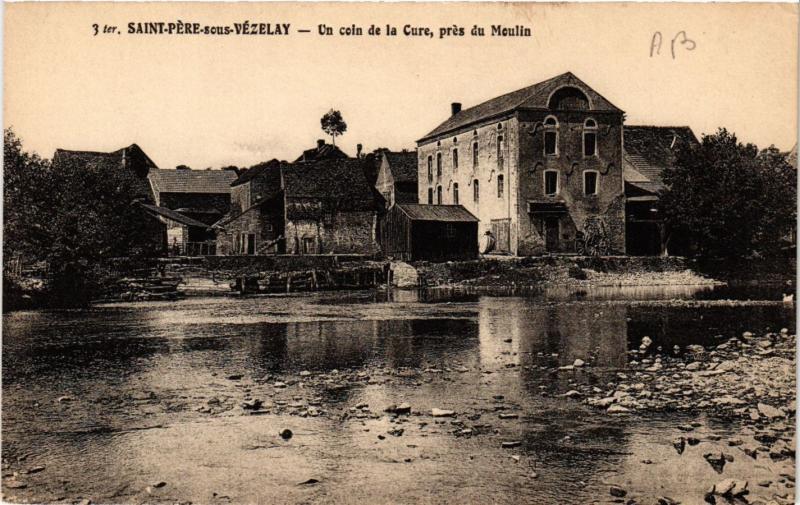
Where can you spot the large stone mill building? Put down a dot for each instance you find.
(536, 166)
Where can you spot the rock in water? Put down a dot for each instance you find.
(510, 445)
(442, 413)
(617, 409)
(578, 363)
(716, 460)
(617, 492)
(286, 433)
(729, 488)
(679, 444)
(770, 411)
(403, 408)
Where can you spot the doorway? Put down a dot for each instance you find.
(501, 229)
(551, 230)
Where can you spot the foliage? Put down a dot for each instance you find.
(333, 124)
(73, 215)
(728, 199)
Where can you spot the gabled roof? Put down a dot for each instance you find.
(445, 213)
(191, 181)
(403, 165)
(172, 215)
(532, 97)
(648, 150)
(133, 153)
(321, 152)
(332, 179)
(257, 170)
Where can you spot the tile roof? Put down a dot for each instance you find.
(172, 215)
(403, 165)
(321, 152)
(447, 213)
(332, 179)
(257, 170)
(132, 152)
(532, 97)
(651, 149)
(191, 181)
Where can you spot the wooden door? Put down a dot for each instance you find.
(501, 229)
(551, 230)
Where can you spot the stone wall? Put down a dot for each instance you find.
(571, 164)
(343, 233)
(494, 159)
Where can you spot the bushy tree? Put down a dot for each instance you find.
(729, 199)
(27, 186)
(333, 124)
(73, 215)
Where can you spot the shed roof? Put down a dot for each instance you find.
(403, 165)
(173, 215)
(445, 213)
(191, 181)
(531, 97)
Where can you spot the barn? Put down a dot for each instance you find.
(413, 232)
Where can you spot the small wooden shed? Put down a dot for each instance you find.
(412, 232)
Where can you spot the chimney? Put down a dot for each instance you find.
(320, 143)
(359, 147)
(455, 108)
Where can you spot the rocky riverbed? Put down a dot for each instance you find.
(325, 400)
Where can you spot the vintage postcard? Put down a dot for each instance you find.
(399, 253)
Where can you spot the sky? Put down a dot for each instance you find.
(212, 101)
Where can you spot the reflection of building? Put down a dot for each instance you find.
(572, 330)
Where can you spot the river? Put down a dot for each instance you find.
(119, 399)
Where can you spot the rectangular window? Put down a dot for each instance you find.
(450, 231)
(500, 188)
(476, 192)
(438, 164)
(550, 142)
(455, 160)
(589, 144)
(430, 168)
(550, 182)
(501, 148)
(590, 183)
(474, 155)
(309, 245)
(430, 196)
(438, 195)
(455, 193)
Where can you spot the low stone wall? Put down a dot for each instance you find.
(540, 270)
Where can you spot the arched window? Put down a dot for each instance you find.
(550, 136)
(438, 195)
(475, 155)
(455, 160)
(590, 138)
(430, 168)
(455, 193)
(476, 192)
(430, 196)
(500, 186)
(438, 164)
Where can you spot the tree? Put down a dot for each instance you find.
(333, 124)
(27, 185)
(74, 216)
(729, 199)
